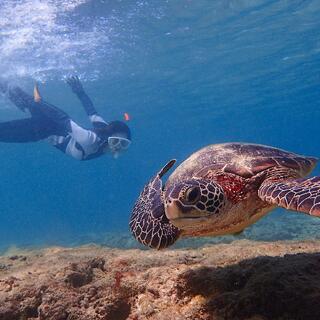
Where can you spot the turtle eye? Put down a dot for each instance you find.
(192, 195)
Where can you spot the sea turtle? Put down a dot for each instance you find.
(222, 189)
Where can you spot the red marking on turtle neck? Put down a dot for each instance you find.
(235, 187)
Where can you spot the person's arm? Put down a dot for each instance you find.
(76, 86)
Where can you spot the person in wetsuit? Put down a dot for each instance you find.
(51, 123)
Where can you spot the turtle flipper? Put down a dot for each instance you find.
(148, 222)
(297, 194)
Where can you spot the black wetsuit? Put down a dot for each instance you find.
(51, 123)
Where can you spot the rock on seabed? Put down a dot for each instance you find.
(241, 280)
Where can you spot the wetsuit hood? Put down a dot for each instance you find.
(111, 129)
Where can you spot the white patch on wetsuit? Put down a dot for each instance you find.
(87, 140)
(96, 118)
(72, 150)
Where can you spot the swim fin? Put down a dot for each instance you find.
(36, 93)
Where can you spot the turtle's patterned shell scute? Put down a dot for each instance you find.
(243, 159)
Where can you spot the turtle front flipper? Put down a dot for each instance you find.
(301, 195)
(148, 222)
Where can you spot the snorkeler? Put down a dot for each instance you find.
(49, 122)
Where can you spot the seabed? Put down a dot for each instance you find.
(240, 280)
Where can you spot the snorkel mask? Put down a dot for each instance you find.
(116, 137)
(118, 145)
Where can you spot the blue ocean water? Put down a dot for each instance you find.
(190, 73)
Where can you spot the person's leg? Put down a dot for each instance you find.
(26, 130)
(41, 109)
(21, 99)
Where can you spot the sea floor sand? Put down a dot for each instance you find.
(241, 280)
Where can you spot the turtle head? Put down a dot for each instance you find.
(192, 205)
(148, 223)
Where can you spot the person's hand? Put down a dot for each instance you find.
(75, 84)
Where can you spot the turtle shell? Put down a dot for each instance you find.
(242, 159)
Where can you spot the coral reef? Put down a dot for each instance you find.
(241, 280)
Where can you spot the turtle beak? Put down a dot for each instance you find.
(172, 210)
(184, 218)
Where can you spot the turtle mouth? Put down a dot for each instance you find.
(174, 211)
(188, 222)
(185, 218)
(191, 218)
